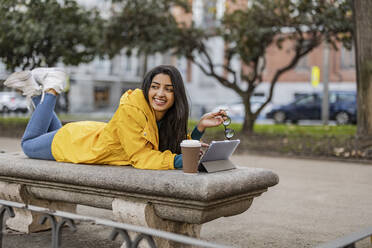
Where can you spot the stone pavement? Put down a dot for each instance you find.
(314, 202)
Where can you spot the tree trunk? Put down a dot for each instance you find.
(249, 120)
(363, 40)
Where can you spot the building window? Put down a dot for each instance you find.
(2, 68)
(210, 13)
(189, 71)
(128, 64)
(207, 13)
(139, 67)
(102, 66)
(303, 64)
(207, 83)
(347, 58)
(101, 96)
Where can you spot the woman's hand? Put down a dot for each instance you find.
(204, 146)
(212, 119)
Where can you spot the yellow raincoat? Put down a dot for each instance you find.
(130, 138)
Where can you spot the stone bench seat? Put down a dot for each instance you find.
(159, 199)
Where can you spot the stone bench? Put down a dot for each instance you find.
(166, 200)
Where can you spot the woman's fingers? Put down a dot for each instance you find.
(201, 153)
(204, 145)
(219, 114)
(222, 112)
(213, 119)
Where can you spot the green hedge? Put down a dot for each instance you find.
(314, 141)
(12, 127)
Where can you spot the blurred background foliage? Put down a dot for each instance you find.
(44, 32)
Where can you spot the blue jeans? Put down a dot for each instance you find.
(40, 130)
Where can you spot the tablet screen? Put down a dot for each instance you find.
(220, 150)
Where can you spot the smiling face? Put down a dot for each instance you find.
(161, 95)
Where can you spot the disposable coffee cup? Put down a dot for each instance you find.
(190, 155)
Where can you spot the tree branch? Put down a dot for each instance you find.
(211, 71)
(300, 51)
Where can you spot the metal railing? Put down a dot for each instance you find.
(349, 241)
(143, 233)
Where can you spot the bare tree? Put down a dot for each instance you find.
(249, 32)
(363, 48)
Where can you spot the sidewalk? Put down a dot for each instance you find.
(314, 202)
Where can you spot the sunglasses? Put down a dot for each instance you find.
(229, 132)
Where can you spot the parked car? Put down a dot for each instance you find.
(236, 110)
(12, 102)
(342, 108)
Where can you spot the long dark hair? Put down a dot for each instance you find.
(173, 127)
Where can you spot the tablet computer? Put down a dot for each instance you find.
(216, 158)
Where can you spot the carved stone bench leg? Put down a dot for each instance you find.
(27, 221)
(144, 215)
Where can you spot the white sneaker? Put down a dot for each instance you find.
(51, 78)
(23, 81)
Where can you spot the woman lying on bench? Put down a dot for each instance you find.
(145, 131)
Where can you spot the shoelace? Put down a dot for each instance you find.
(29, 99)
(30, 103)
(42, 90)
